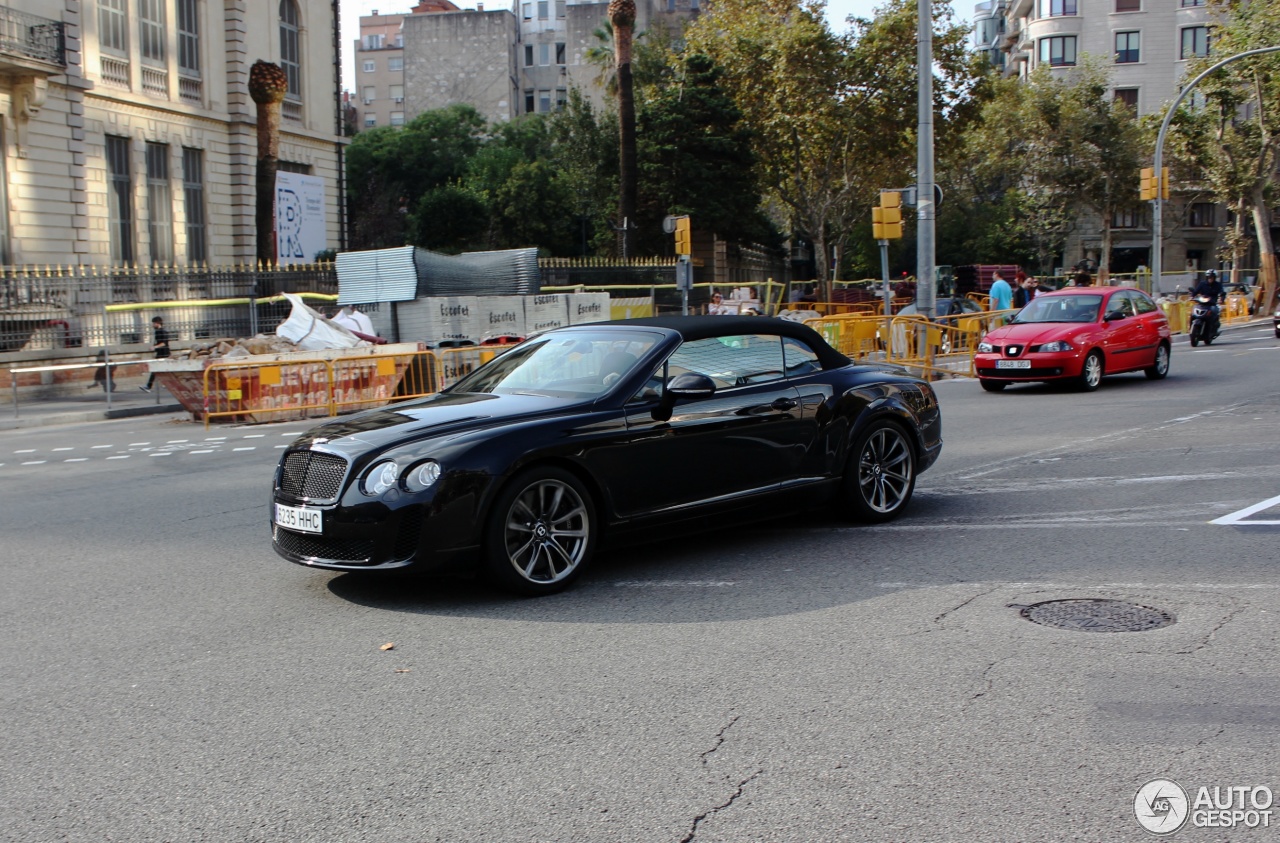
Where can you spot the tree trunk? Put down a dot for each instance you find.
(1266, 250)
(1104, 260)
(622, 14)
(268, 164)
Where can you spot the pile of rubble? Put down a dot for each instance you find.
(230, 348)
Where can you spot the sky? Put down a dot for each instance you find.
(352, 10)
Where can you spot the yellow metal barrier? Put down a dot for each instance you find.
(455, 363)
(1236, 308)
(301, 388)
(1179, 315)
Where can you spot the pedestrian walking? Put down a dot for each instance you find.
(1001, 293)
(160, 346)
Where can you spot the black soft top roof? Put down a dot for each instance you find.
(702, 327)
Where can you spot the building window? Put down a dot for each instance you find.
(113, 24)
(373, 42)
(6, 257)
(1126, 219)
(1195, 42)
(528, 55)
(369, 94)
(671, 5)
(1128, 96)
(544, 54)
(395, 64)
(693, 5)
(1058, 51)
(369, 66)
(397, 93)
(526, 11)
(528, 102)
(1128, 5)
(397, 118)
(562, 98)
(370, 120)
(119, 199)
(193, 203)
(189, 37)
(559, 53)
(1057, 8)
(1126, 47)
(159, 203)
(544, 101)
(295, 167)
(290, 55)
(1186, 4)
(560, 11)
(1202, 215)
(544, 10)
(151, 31)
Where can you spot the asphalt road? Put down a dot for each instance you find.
(168, 678)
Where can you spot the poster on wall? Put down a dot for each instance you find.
(300, 218)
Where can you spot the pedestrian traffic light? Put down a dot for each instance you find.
(684, 237)
(1152, 186)
(886, 218)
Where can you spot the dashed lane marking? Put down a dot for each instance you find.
(26, 451)
(177, 441)
(159, 453)
(100, 447)
(55, 450)
(209, 451)
(136, 444)
(215, 439)
(250, 448)
(35, 462)
(120, 457)
(77, 459)
(254, 435)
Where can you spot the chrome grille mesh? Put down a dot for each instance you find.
(310, 474)
(313, 546)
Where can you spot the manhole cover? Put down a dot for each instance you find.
(1092, 615)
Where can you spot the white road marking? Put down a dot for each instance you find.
(1205, 350)
(160, 454)
(250, 448)
(120, 457)
(215, 439)
(26, 451)
(35, 462)
(1088, 586)
(136, 444)
(77, 459)
(177, 441)
(254, 435)
(295, 433)
(1239, 516)
(210, 451)
(55, 450)
(282, 446)
(100, 447)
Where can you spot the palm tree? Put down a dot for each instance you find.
(601, 55)
(267, 86)
(622, 16)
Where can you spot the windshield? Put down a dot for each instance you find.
(1059, 309)
(567, 364)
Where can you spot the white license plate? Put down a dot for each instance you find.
(1013, 364)
(297, 518)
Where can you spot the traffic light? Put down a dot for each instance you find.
(1152, 186)
(886, 218)
(684, 237)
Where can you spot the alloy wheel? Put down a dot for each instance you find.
(885, 470)
(1092, 374)
(546, 531)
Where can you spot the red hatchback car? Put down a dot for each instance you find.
(1077, 334)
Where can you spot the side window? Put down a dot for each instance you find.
(1143, 303)
(1121, 302)
(731, 361)
(799, 358)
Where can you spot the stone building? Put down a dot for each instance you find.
(129, 134)
(1145, 45)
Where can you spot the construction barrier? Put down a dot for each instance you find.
(256, 391)
(1236, 308)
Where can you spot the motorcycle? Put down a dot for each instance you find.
(1204, 321)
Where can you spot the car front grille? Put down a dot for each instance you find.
(410, 531)
(354, 551)
(313, 475)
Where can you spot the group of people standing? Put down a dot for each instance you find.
(1005, 296)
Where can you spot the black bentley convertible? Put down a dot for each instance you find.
(599, 434)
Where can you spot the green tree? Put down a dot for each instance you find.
(584, 149)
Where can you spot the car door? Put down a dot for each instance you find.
(746, 438)
(1152, 321)
(1124, 336)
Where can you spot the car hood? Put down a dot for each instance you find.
(436, 415)
(1034, 333)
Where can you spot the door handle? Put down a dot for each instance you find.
(784, 404)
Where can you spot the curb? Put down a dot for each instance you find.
(82, 416)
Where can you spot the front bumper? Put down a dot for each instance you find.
(1044, 366)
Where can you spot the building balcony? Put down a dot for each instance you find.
(30, 45)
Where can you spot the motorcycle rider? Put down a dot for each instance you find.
(1212, 289)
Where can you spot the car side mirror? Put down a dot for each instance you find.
(687, 385)
(1113, 315)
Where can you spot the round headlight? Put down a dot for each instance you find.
(422, 476)
(985, 347)
(380, 478)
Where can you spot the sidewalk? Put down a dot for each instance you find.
(87, 406)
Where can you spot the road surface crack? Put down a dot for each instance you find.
(939, 618)
(1204, 642)
(698, 820)
(719, 739)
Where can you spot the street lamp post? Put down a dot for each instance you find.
(1157, 216)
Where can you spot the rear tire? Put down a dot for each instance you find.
(881, 473)
(541, 533)
(992, 386)
(1160, 367)
(1091, 372)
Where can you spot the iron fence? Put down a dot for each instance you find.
(53, 308)
(31, 36)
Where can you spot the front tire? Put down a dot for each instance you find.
(1091, 372)
(881, 473)
(1196, 330)
(541, 533)
(1160, 367)
(992, 386)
